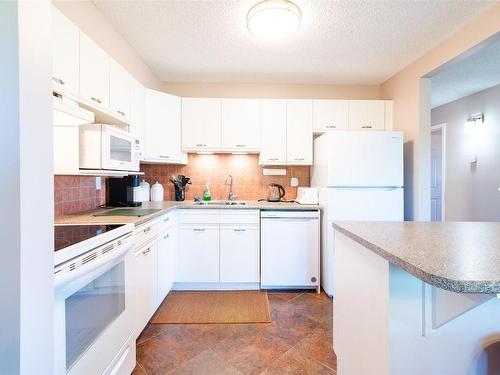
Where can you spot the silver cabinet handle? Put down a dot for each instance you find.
(147, 230)
(145, 252)
(366, 127)
(166, 236)
(166, 219)
(241, 145)
(299, 159)
(97, 100)
(330, 126)
(120, 112)
(58, 80)
(240, 230)
(199, 229)
(201, 145)
(164, 156)
(273, 159)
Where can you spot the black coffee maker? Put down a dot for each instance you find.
(123, 192)
(180, 183)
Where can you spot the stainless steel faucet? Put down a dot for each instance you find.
(229, 181)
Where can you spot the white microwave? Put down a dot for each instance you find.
(106, 147)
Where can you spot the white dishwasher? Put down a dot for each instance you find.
(289, 245)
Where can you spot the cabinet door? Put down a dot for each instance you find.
(198, 256)
(273, 132)
(367, 114)
(120, 91)
(162, 135)
(330, 115)
(65, 55)
(240, 125)
(239, 254)
(94, 73)
(146, 294)
(299, 133)
(166, 264)
(201, 124)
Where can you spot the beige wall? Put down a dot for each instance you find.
(471, 190)
(276, 91)
(404, 89)
(90, 20)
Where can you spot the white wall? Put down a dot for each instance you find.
(26, 269)
(472, 189)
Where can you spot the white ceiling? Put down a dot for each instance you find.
(477, 71)
(340, 42)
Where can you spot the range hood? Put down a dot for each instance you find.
(68, 112)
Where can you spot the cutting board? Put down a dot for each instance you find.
(128, 212)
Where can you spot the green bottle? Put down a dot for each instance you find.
(206, 193)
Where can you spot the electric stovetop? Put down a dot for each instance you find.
(68, 235)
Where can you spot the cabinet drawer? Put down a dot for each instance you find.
(166, 222)
(239, 217)
(146, 232)
(199, 216)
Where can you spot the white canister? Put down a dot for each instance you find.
(156, 192)
(146, 190)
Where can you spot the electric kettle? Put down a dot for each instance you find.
(275, 192)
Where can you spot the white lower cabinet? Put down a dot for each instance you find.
(146, 284)
(239, 254)
(198, 257)
(166, 264)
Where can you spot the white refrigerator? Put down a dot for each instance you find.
(359, 176)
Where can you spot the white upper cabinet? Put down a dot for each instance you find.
(389, 115)
(94, 73)
(201, 124)
(367, 114)
(65, 55)
(273, 132)
(162, 129)
(120, 91)
(138, 112)
(330, 115)
(299, 132)
(241, 125)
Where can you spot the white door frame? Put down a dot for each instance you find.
(435, 128)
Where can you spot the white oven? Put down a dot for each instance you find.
(106, 147)
(94, 310)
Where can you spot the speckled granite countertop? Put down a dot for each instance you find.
(165, 206)
(462, 257)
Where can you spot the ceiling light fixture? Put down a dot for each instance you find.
(273, 19)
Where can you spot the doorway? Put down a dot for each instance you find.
(438, 143)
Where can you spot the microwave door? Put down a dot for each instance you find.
(117, 151)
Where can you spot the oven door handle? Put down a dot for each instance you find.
(68, 277)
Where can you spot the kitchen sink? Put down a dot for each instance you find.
(220, 203)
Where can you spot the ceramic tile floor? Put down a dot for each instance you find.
(297, 341)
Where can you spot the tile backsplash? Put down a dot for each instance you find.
(248, 181)
(73, 194)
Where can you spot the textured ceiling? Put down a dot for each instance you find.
(475, 72)
(341, 42)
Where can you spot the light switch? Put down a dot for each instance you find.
(294, 182)
(98, 183)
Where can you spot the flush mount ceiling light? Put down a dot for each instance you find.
(273, 19)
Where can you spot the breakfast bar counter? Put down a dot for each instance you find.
(417, 297)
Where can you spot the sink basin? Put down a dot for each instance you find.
(220, 203)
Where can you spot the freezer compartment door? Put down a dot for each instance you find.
(289, 252)
(357, 158)
(365, 204)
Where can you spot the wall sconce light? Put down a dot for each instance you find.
(472, 124)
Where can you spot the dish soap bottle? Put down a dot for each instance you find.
(206, 193)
